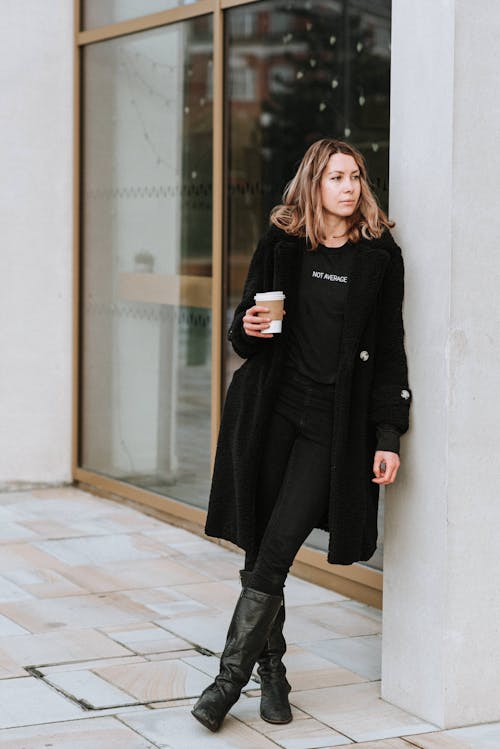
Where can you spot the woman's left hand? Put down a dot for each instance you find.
(392, 463)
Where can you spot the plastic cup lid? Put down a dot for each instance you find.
(270, 295)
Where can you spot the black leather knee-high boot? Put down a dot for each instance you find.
(248, 632)
(274, 704)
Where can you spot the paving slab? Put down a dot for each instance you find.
(485, 736)
(215, 594)
(43, 583)
(8, 627)
(15, 532)
(9, 591)
(56, 647)
(147, 638)
(75, 611)
(339, 619)
(164, 601)
(90, 733)
(26, 556)
(28, 701)
(385, 744)
(363, 654)
(142, 573)
(306, 670)
(89, 689)
(206, 630)
(357, 711)
(175, 728)
(302, 593)
(216, 566)
(98, 550)
(156, 680)
(438, 741)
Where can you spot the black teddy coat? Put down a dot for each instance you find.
(370, 390)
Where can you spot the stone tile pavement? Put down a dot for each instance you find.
(110, 626)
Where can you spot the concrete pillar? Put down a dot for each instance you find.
(441, 641)
(36, 256)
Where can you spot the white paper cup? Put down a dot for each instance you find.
(274, 301)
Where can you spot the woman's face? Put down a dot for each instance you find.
(340, 185)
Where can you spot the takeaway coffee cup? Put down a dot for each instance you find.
(274, 301)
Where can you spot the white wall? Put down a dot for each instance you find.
(441, 641)
(473, 651)
(36, 81)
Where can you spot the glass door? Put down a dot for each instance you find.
(146, 272)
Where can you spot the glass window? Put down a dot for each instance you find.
(280, 21)
(243, 24)
(147, 265)
(243, 84)
(281, 78)
(101, 12)
(320, 69)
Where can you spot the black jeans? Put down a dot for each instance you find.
(294, 480)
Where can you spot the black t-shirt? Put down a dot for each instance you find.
(316, 330)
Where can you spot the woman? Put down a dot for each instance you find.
(312, 418)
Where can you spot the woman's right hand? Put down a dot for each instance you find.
(253, 325)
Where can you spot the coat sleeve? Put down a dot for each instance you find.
(391, 395)
(244, 345)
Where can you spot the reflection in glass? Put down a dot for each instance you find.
(101, 12)
(146, 269)
(299, 70)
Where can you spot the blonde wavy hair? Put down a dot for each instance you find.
(302, 213)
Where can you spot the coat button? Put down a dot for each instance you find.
(405, 394)
(364, 356)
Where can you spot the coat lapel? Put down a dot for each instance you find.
(366, 278)
(287, 258)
